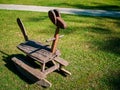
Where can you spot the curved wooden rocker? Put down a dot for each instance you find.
(41, 53)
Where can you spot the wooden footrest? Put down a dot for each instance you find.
(61, 61)
(31, 73)
(34, 72)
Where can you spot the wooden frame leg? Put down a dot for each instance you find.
(53, 62)
(44, 83)
(43, 67)
(65, 71)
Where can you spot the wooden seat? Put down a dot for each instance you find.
(41, 53)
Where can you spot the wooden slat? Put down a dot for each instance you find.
(61, 61)
(36, 50)
(51, 69)
(36, 73)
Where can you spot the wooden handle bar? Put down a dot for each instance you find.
(51, 39)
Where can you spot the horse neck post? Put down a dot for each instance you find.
(54, 43)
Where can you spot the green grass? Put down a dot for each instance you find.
(85, 4)
(91, 45)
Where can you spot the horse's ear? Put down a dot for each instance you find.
(57, 13)
(52, 16)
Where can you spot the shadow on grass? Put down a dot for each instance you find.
(11, 66)
(97, 28)
(37, 19)
(72, 29)
(111, 45)
(112, 80)
(100, 30)
(98, 6)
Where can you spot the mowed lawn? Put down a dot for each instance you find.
(91, 45)
(84, 4)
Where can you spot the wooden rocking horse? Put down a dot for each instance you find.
(41, 53)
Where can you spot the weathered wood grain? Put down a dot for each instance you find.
(38, 51)
(61, 61)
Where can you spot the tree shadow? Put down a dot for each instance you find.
(99, 30)
(99, 6)
(112, 80)
(111, 45)
(37, 19)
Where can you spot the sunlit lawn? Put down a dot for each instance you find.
(91, 45)
(85, 4)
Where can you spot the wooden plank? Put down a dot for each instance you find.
(51, 69)
(61, 61)
(36, 73)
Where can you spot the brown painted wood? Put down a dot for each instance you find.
(57, 13)
(54, 44)
(52, 16)
(22, 28)
(61, 23)
(56, 19)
